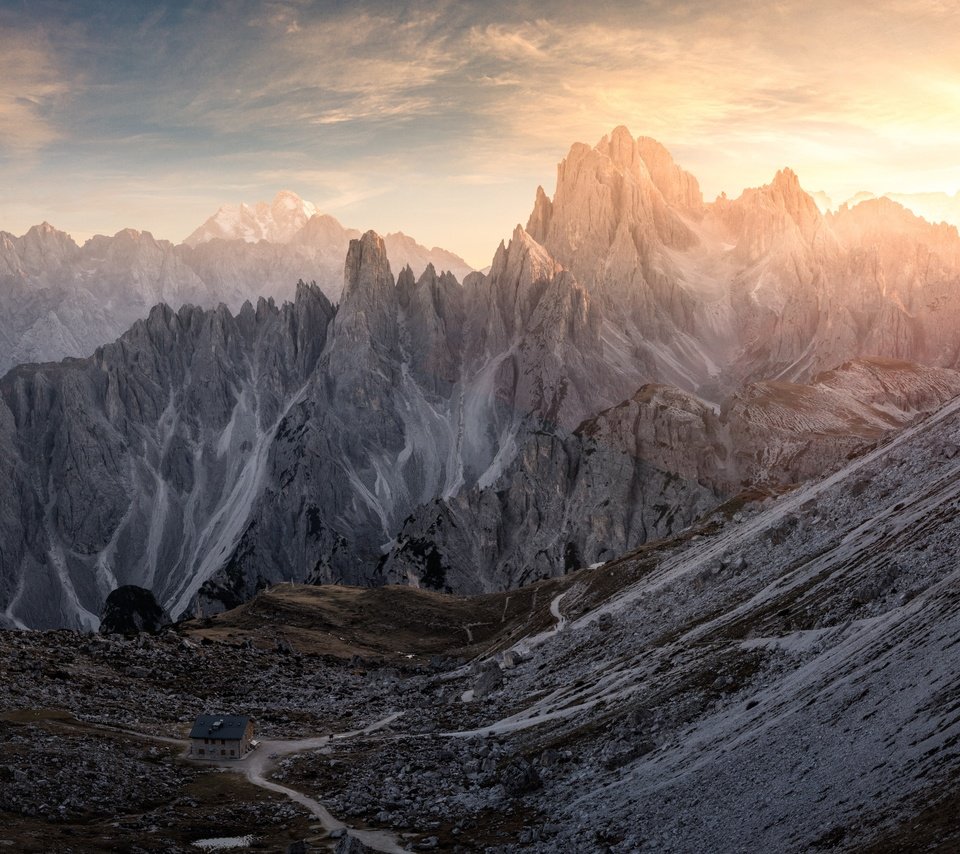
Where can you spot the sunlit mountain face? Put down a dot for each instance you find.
(479, 428)
(228, 442)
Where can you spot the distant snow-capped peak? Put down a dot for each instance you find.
(277, 221)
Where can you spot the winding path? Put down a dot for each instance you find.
(526, 645)
(256, 766)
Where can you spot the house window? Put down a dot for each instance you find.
(223, 752)
(231, 753)
(202, 751)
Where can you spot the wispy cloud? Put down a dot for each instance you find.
(31, 89)
(326, 69)
(447, 114)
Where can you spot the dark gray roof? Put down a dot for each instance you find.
(230, 727)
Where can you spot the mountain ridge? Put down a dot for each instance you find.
(58, 298)
(430, 432)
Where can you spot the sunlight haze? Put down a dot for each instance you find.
(440, 119)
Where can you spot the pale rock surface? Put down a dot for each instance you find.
(276, 222)
(652, 465)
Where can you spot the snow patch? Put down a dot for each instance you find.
(225, 843)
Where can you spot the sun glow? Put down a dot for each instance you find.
(365, 108)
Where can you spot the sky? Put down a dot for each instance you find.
(441, 118)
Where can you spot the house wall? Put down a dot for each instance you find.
(213, 750)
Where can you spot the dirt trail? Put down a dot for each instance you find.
(527, 644)
(257, 765)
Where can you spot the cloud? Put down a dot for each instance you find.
(505, 42)
(349, 103)
(32, 87)
(814, 80)
(325, 69)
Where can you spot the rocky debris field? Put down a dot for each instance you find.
(87, 725)
(72, 787)
(158, 685)
(782, 677)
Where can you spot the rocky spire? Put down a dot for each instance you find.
(433, 316)
(780, 213)
(406, 282)
(367, 316)
(613, 208)
(539, 223)
(679, 188)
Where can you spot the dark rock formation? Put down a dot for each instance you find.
(130, 610)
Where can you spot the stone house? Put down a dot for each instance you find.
(221, 737)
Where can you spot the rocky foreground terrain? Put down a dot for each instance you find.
(779, 677)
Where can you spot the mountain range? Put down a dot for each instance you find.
(634, 358)
(932, 206)
(59, 299)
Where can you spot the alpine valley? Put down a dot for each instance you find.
(642, 540)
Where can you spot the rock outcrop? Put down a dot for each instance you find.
(649, 467)
(130, 610)
(760, 287)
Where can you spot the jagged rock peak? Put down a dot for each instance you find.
(645, 157)
(367, 269)
(786, 178)
(406, 276)
(882, 211)
(786, 191)
(288, 200)
(310, 292)
(612, 211)
(48, 234)
(787, 194)
(523, 260)
(882, 223)
(679, 187)
(323, 230)
(277, 221)
(369, 306)
(45, 244)
(406, 285)
(621, 148)
(43, 228)
(132, 237)
(780, 213)
(429, 274)
(539, 222)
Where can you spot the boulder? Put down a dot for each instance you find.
(130, 610)
(490, 681)
(351, 845)
(511, 658)
(519, 777)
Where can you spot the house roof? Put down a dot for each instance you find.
(229, 727)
